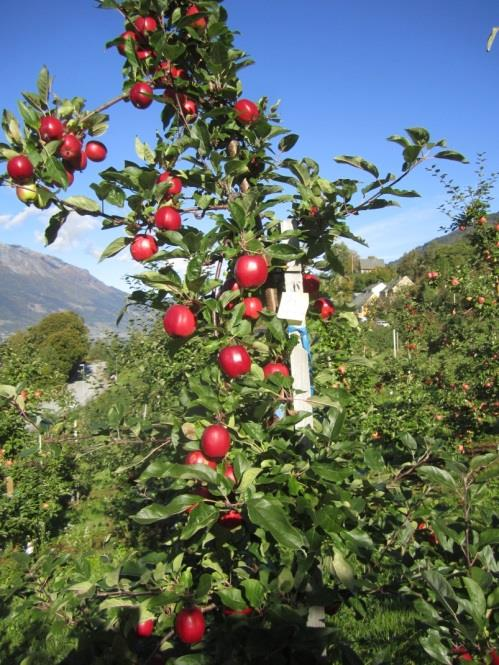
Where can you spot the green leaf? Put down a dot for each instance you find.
(55, 223)
(401, 140)
(43, 84)
(284, 252)
(232, 598)
(343, 570)
(115, 247)
(437, 476)
(453, 155)
(254, 592)
(287, 142)
(270, 516)
(144, 151)
(433, 646)
(477, 598)
(248, 479)
(489, 537)
(156, 512)
(359, 163)
(419, 135)
(491, 38)
(202, 517)
(83, 203)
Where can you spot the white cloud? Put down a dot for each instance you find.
(73, 233)
(9, 221)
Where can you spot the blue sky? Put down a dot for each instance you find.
(348, 74)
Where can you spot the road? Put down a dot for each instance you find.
(84, 390)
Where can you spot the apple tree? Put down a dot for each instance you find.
(255, 516)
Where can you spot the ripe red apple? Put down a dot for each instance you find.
(126, 35)
(229, 473)
(311, 283)
(197, 457)
(325, 308)
(168, 218)
(26, 193)
(275, 368)
(494, 657)
(462, 652)
(168, 68)
(70, 147)
(141, 95)
(215, 441)
(20, 168)
(143, 247)
(432, 274)
(231, 519)
(200, 22)
(234, 361)
(238, 613)
(252, 307)
(190, 625)
(145, 628)
(70, 177)
(314, 211)
(179, 321)
(482, 220)
(51, 128)
(78, 163)
(145, 24)
(251, 271)
(480, 300)
(144, 53)
(96, 151)
(188, 106)
(454, 281)
(174, 182)
(247, 111)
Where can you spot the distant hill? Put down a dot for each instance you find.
(33, 285)
(446, 239)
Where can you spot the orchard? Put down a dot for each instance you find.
(261, 512)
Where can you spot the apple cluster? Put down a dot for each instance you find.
(70, 150)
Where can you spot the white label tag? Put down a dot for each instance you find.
(293, 306)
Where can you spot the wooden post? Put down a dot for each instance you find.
(293, 308)
(9, 486)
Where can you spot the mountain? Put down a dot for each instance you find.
(33, 285)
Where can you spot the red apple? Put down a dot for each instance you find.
(480, 300)
(494, 657)
(96, 151)
(70, 177)
(141, 95)
(174, 182)
(311, 283)
(314, 211)
(126, 35)
(143, 247)
(325, 308)
(234, 361)
(20, 168)
(231, 519)
(454, 281)
(247, 111)
(200, 22)
(229, 473)
(462, 652)
(78, 163)
(190, 625)
(197, 457)
(168, 218)
(51, 128)
(237, 613)
(188, 106)
(145, 628)
(70, 147)
(215, 441)
(144, 53)
(251, 271)
(275, 368)
(145, 24)
(252, 307)
(179, 321)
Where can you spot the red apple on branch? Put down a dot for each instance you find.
(231, 519)
(145, 24)
(141, 95)
(145, 628)
(20, 168)
(324, 307)
(126, 35)
(251, 271)
(51, 128)
(168, 218)
(234, 361)
(252, 307)
(143, 247)
(275, 368)
(311, 283)
(199, 23)
(175, 184)
(179, 321)
(96, 151)
(197, 457)
(190, 625)
(70, 148)
(247, 112)
(215, 441)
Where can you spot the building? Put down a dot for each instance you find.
(365, 299)
(371, 263)
(395, 285)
